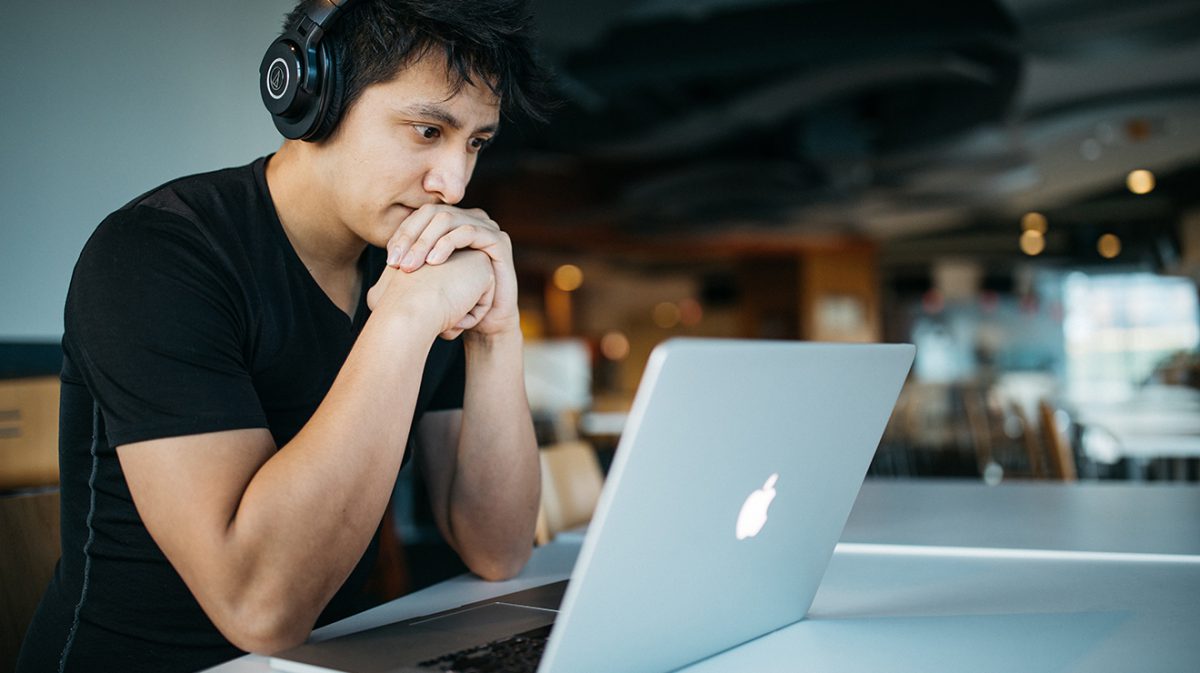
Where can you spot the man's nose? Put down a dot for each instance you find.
(448, 178)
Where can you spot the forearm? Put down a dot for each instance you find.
(264, 535)
(310, 511)
(494, 496)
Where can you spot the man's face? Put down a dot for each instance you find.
(405, 143)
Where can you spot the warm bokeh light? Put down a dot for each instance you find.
(614, 346)
(690, 312)
(666, 315)
(1109, 246)
(1140, 181)
(1034, 221)
(568, 277)
(1032, 242)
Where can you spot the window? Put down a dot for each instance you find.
(1118, 328)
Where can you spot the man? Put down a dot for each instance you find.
(251, 355)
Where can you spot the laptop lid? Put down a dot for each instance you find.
(729, 489)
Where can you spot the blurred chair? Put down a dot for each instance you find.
(571, 483)
(1060, 456)
(28, 432)
(29, 527)
(1032, 443)
(1004, 439)
(975, 405)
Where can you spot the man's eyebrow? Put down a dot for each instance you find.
(441, 114)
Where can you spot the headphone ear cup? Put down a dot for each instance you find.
(294, 110)
(279, 79)
(299, 77)
(333, 87)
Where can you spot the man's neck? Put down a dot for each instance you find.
(321, 240)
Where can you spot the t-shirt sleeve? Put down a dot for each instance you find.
(158, 325)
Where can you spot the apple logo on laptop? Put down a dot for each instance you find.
(753, 516)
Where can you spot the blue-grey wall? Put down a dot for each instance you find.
(102, 101)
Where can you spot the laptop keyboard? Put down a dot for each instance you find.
(514, 654)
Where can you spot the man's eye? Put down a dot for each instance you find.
(480, 143)
(427, 132)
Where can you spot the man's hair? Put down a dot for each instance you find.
(486, 42)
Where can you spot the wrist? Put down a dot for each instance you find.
(408, 316)
(505, 341)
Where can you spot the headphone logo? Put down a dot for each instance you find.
(277, 78)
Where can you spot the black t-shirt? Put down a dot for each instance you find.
(188, 312)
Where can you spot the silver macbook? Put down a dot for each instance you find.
(728, 491)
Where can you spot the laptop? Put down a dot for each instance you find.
(728, 491)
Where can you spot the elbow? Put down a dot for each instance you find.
(500, 567)
(494, 572)
(265, 642)
(262, 629)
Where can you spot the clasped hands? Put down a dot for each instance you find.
(460, 262)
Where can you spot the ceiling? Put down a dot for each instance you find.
(898, 121)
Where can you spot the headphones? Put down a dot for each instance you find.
(298, 77)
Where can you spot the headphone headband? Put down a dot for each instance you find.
(298, 75)
(322, 12)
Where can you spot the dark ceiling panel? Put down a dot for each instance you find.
(850, 116)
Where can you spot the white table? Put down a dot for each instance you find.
(921, 614)
(937, 577)
(1084, 516)
(1159, 422)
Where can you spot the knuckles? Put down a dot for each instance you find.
(447, 225)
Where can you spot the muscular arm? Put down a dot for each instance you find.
(264, 538)
(482, 464)
(484, 493)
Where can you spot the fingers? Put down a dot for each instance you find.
(432, 233)
(465, 236)
(423, 241)
(474, 316)
(479, 311)
(439, 227)
(408, 231)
